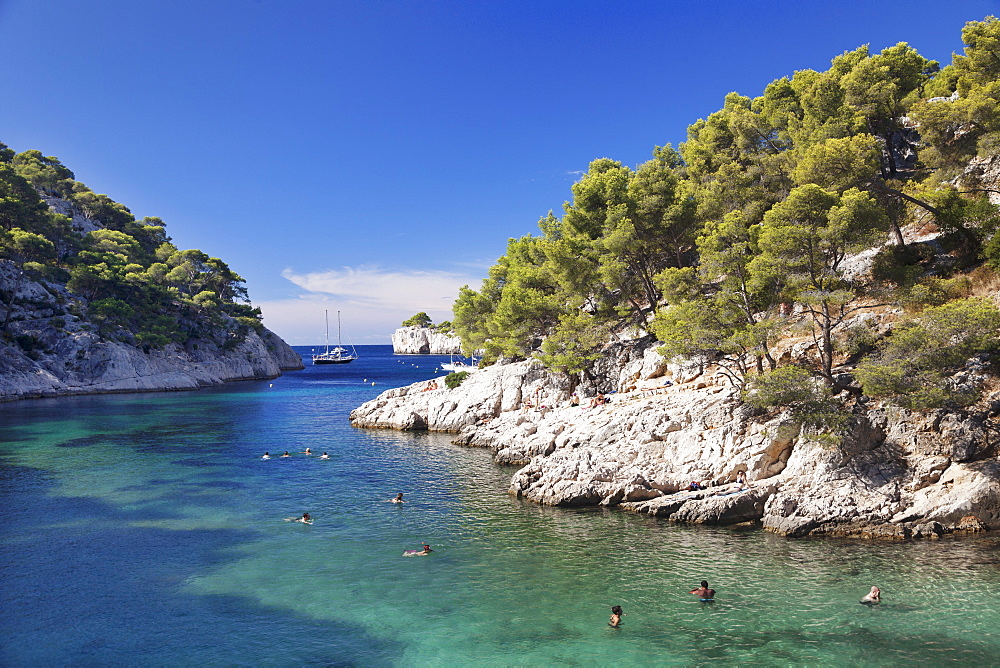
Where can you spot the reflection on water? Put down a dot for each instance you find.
(146, 530)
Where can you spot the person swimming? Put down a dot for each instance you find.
(267, 455)
(703, 592)
(286, 454)
(307, 452)
(419, 553)
(324, 456)
(398, 499)
(305, 519)
(616, 616)
(873, 597)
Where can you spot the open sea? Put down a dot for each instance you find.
(146, 530)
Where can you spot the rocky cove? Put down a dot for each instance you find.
(895, 474)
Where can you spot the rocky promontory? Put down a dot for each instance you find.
(895, 473)
(56, 351)
(425, 341)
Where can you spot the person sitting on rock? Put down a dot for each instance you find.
(598, 400)
(703, 592)
(741, 480)
(695, 486)
(574, 400)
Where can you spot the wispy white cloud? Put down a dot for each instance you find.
(373, 301)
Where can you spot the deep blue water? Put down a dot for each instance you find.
(145, 530)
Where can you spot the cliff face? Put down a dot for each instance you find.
(896, 474)
(53, 352)
(424, 341)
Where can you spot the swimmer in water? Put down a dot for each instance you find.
(286, 454)
(419, 553)
(267, 455)
(305, 519)
(398, 499)
(616, 616)
(872, 597)
(307, 452)
(703, 592)
(324, 456)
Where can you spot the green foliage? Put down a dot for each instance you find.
(453, 380)
(803, 242)
(957, 129)
(445, 327)
(133, 276)
(573, 344)
(901, 266)
(912, 367)
(805, 396)
(419, 320)
(933, 291)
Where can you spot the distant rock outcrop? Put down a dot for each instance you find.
(424, 341)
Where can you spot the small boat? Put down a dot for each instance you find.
(460, 365)
(338, 354)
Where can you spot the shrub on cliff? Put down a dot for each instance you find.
(419, 320)
(913, 368)
(453, 380)
(807, 397)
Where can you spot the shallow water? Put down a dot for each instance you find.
(146, 530)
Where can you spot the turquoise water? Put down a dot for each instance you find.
(146, 530)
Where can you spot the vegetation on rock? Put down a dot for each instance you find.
(748, 232)
(128, 278)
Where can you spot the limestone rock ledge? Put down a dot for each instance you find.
(896, 475)
(424, 341)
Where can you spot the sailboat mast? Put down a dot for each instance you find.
(327, 313)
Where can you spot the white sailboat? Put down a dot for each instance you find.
(337, 355)
(461, 365)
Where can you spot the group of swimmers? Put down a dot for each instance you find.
(307, 452)
(706, 594)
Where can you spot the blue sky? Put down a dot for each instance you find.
(372, 157)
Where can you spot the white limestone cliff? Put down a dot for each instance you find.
(424, 341)
(66, 355)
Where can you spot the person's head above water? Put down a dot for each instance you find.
(704, 584)
(616, 609)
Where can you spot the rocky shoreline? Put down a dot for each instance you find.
(67, 356)
(895, 475)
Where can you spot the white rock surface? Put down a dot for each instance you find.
(894, 471)
(424, 341)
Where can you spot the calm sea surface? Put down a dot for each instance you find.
(145, 530)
